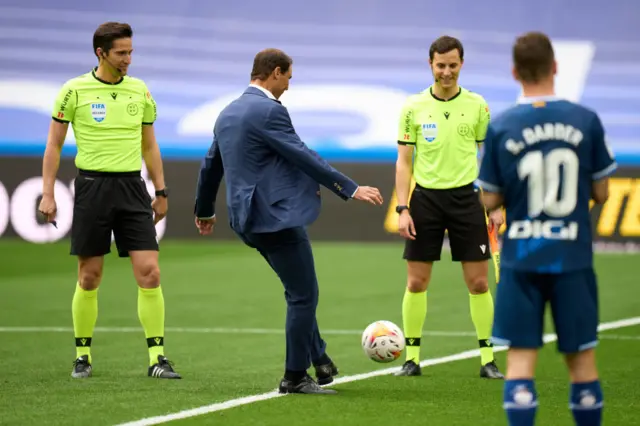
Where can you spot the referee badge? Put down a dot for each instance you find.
(464, 130)
(98, 112)
(429, 131)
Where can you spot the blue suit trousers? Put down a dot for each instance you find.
(289, 254)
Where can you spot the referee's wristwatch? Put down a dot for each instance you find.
(164, 192)
(400, 209)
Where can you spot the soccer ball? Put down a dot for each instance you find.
(383, 341)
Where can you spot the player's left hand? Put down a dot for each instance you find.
(160, 205)
(496, 218)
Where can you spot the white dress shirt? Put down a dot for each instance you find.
(265, 91)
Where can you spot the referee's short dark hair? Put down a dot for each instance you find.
(268, 60)
(107, 33)
(446, 44)
(533, 57)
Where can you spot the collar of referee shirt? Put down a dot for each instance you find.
(444, 100)
(93, 73)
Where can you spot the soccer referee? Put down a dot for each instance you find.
(112, 116)
(444, 124)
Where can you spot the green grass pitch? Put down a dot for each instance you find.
(212, 288)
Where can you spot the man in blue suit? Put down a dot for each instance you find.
(273, 192)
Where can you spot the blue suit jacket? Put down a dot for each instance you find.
(272, 178)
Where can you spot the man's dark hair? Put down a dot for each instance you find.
(533, 57)
(107, 33)
(268, 60)
(445, 44)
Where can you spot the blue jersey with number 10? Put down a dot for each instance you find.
(543, 155)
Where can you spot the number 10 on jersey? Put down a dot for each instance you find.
(552, 189)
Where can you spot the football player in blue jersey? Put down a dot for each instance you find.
(545, 159)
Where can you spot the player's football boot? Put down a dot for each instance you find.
(81, 367)
(306, 386)
(325, 373)
(409, 368)
(490, 371)
(163, 369)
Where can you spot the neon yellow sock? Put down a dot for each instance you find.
(481, 306)
(151, 315)
(414, 312)
(84, 310)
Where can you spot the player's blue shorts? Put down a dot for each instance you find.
(521, 299)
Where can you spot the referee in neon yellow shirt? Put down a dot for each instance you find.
(112, 116)
(444, 124)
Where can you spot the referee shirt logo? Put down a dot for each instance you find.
(429, 131)
(98, 112)
(132, 109)
(464, 129)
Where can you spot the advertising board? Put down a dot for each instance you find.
(21, 186)
(616, 224)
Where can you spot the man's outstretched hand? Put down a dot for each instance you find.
(369, 194)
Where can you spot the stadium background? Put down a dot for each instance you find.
(354, 64)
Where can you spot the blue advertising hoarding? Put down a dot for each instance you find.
(355, 63)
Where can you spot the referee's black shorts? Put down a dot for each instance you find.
(111, 202)
(459, 212)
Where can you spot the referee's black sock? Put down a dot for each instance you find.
(294, 376)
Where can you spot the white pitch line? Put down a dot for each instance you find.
(618, 337)
(215, 330)
(266, 331)
(225, 405)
